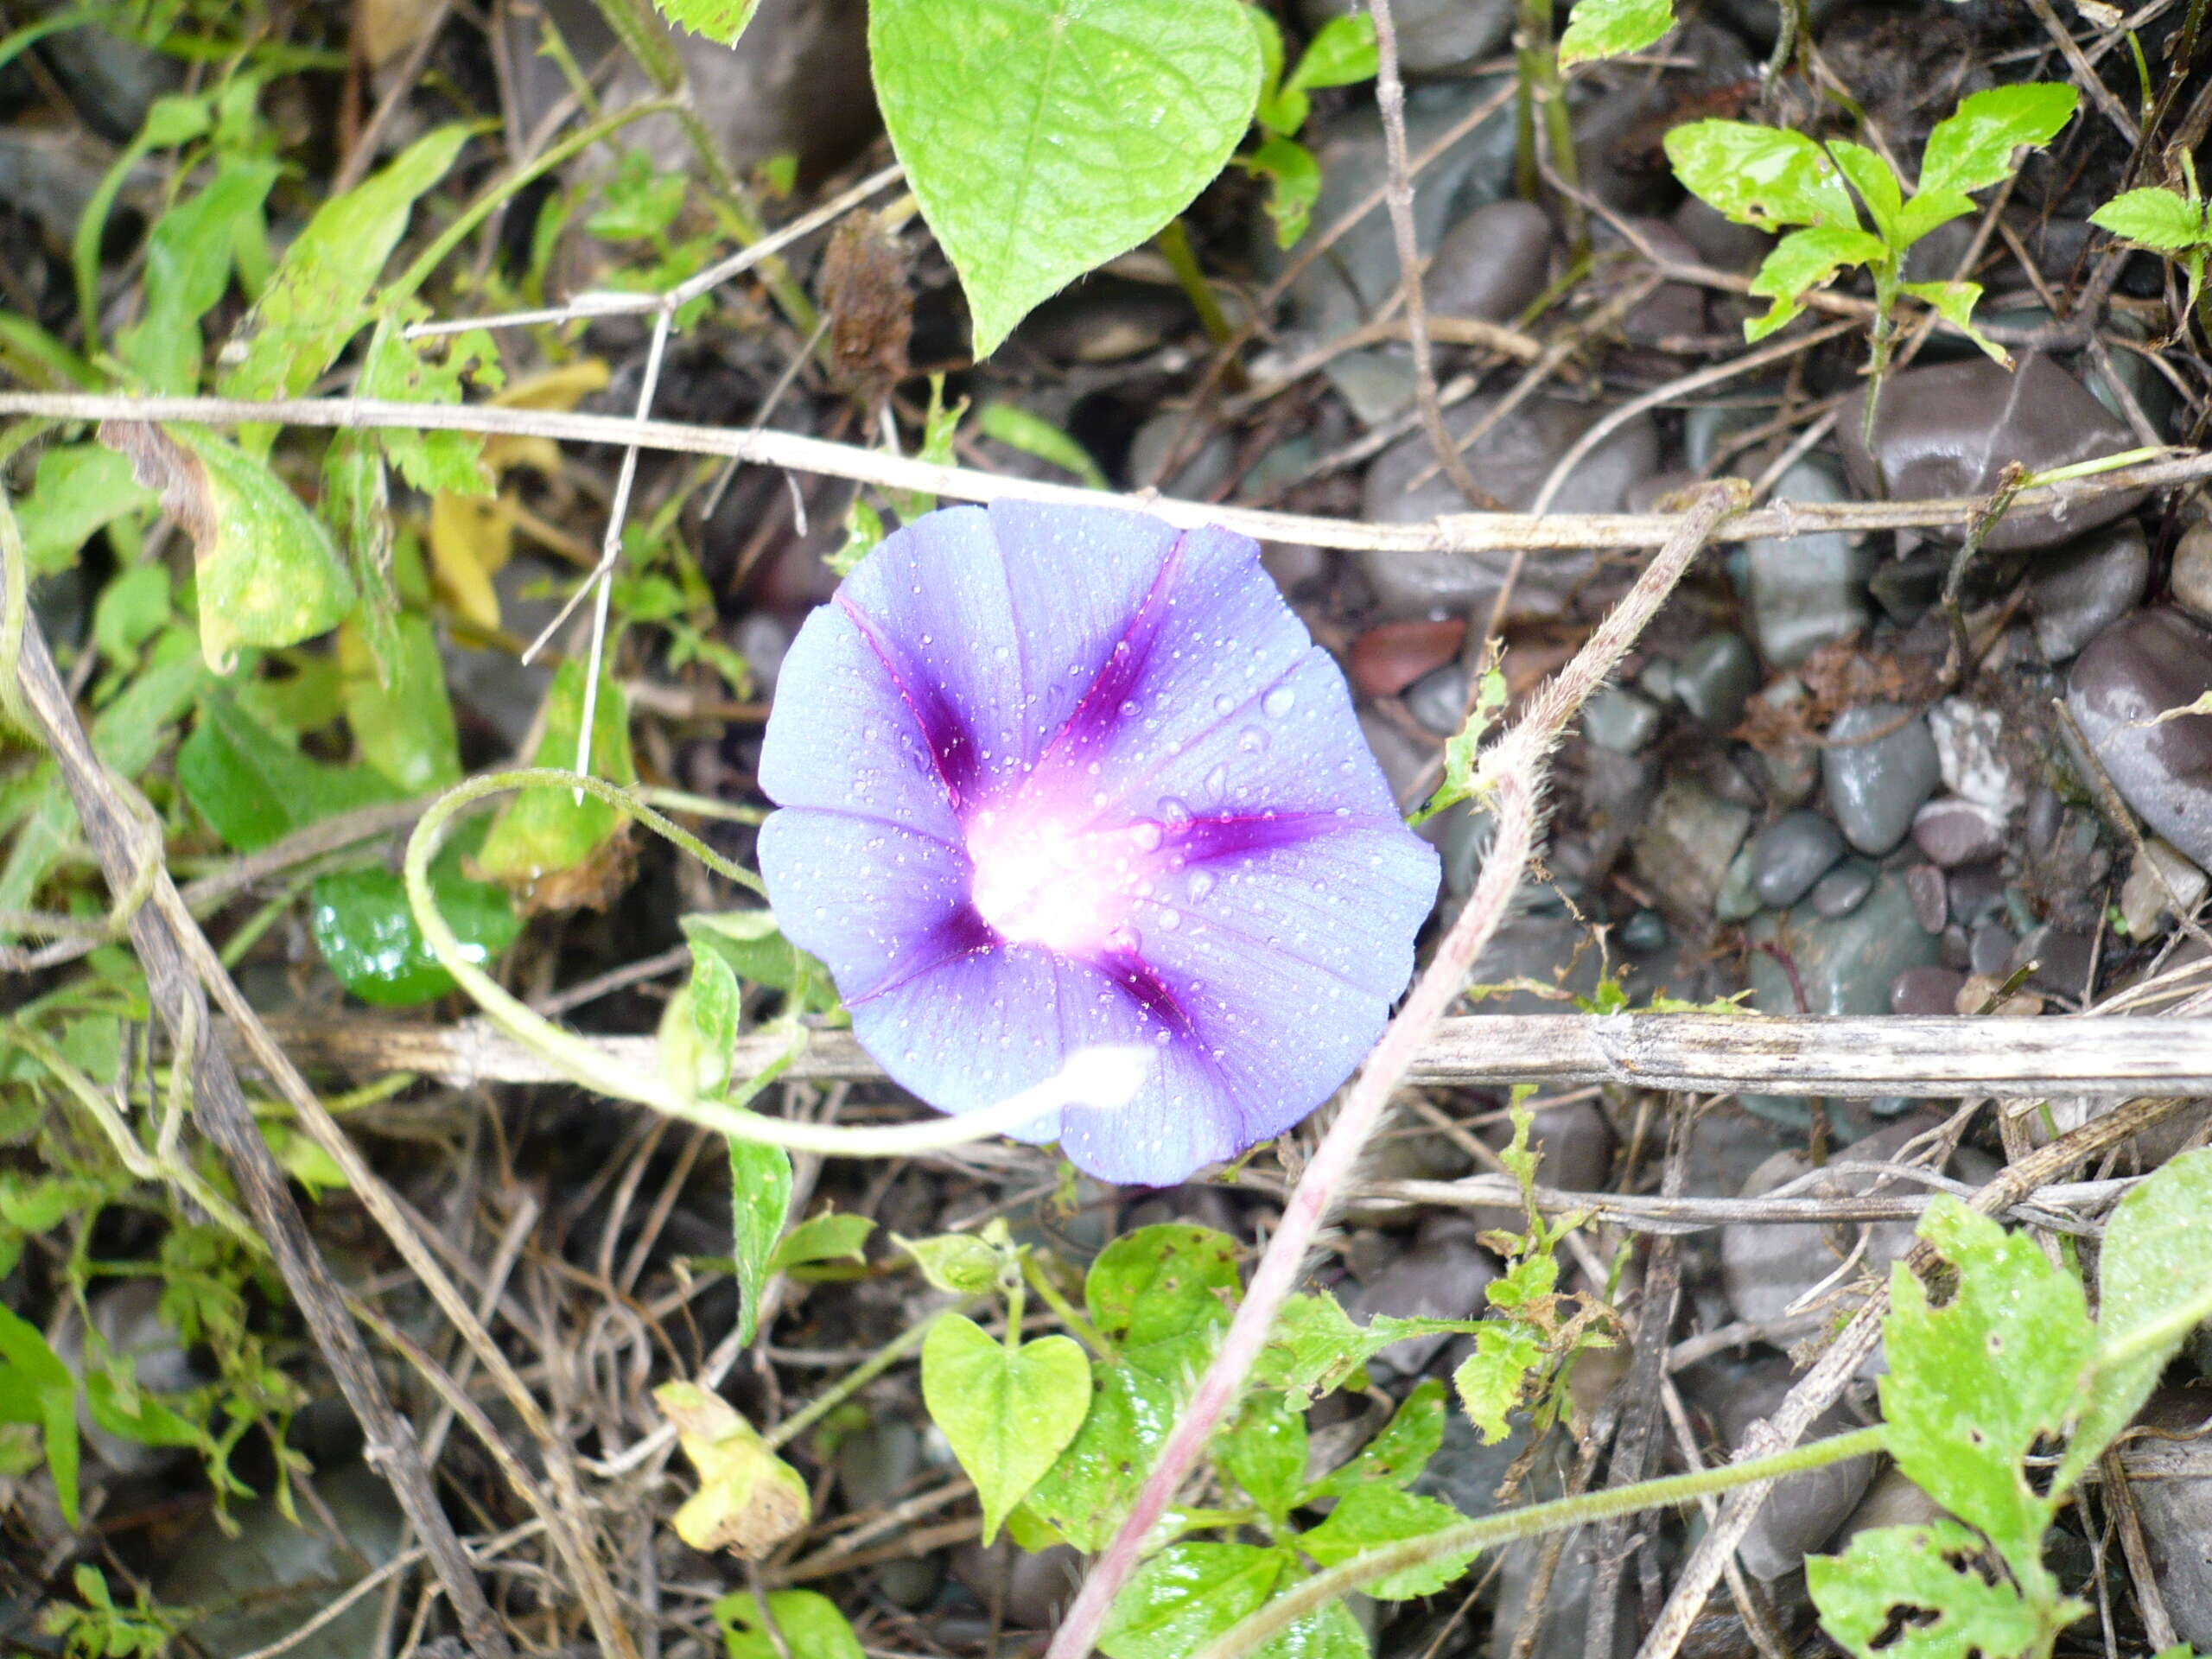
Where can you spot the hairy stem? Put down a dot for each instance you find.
(1513, 773)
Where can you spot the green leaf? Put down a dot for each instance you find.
(37, 1389)
(810, 1624)
(1491, 1379)
(267, 574)
(1370, 1516)
(402, 720)
(2154, 219)
(959, 1262)
(1294, 185)
(78, 490)
(1876, 183)
(1765, 176)
(1163, 1296)
(1925, 211)
(863, 535)
(542, 832)
(1189, 1593)
(1341, 53)
(317, 300)
(188, 257)
(40, 361)
(1090, 1488)
(1463, 748)
(1980, 1380)
(1397, 1455)
(1914, 1593)
(1315, 1346)
(1263, 1450)
(403, 371)
(722, 22)
(825, 1238)
(1610, 28)
(1974, 148)
(170, 121)
(1043, 137)
(253, 788)
(1807, 259)
(1033, 435)
(2157, 1254)
(760, 1198)
(638, 202)
(131, 609)
(1007, 1413)
(361, 922)
(753, 947)
(1954, 303)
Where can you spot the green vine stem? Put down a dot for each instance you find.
(1490, 1530)
(1103, 1078)
(1536, 54)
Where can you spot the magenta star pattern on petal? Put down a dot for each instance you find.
(1056, 778)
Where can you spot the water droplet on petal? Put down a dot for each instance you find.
(1251, 739)
(1174, 812)
(1278, 703)
(1202, 883)
(1171, 919)
(1217, 782)
(1224, 705)
(1146, 833)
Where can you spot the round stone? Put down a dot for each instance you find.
(1716, 677)
(1791, 854)
(1876, 783)
(2192, 576)
(1838, 892)
(1953, 831)
(2134, 671)
(1931, 991)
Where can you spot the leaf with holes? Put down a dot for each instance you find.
(807, 1626)
(1765, 176)
(1983, 1377)
(1914, 1593)
(1043, 137)
(1163, 1294)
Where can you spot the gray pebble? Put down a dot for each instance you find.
(1738, 899)
(1438, 699)
(1434, 36)
(1791, 854)
(1442, 1277)
(2192, 574)
(1807, 591)
(1491, 264)
(1931, 991)
(1801, 1513)
(1621, 721)
(2085, 587)
(1931, 903)
(1716, 677)
(1875, 787)
(1841, 890)
(2134, 672)
(1684, 849)
(1845, 964)
(1953, 830)
(1989, 948)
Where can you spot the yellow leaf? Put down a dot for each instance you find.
(470, 538)
(749, 1500)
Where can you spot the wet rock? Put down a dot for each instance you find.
(2084, 588)
(1374, 385)
(2062, 960)
(912, 1584)
(1930, 991)
(1801, 1513)
(1976, 893)
(1968, 754)
(2192, 574)
(1621, 721)
(1846, 965)
(875, 1466)
(1491, 264)
(1716, 677)
(1463, 1471)
(1892, 1500)
(1294, 565)
(1685, 845)
(1738, 899)
(1875, 784)
(2160, 878)
(1791, 854)
(1434, 36)
(1385, 660)
(1645, 933)
(1673, 310)
(1439, 700)
(1907, 589)
(1039, 1586)
(1989, 949)
(1807, 591)
(2137, 669)
(1840, 891)
(273, 1576)
(1931, 905)
(1511, 460)
(1953, 830)
(1720, 242)
(1442, 1277)
(2177, 1515)
(1952, 429)
(1212, 457)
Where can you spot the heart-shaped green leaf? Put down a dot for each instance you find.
(1007, 1412)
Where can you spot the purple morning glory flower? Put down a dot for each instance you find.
(1058, 778)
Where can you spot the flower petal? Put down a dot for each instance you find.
(915, 912)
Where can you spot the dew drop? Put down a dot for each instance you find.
(1278, 703)
(1147, 833)
(1202, 883)
(1251, 739)
(1175, 812)
(1224, 705)
(1171, 919)
(1163, 1038)
(1218, 782)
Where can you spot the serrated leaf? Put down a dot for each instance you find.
(1262, 1449)
(316, 301)
(1912, 1592)
(1928, 210)
(1163, 1295)
(808, 1624)
(77, 491)
(1973, 148)
(721, 20)
(749, 1500)
(1802, 260)
(1007, 1413)
(2153, 218)
(760, 1198)
(2157, 1254)
(362, 924)
(267, 574)
(1872, 178)
(1981, 1379)
(1043, 137)
(1189, 1593)
(1397, 1456)
(1370, 1516)
(1609, 28)
(1490, 1381)
(1315, 1346)
(1765, 176)
(1954, 303)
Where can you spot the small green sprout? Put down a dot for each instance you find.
(2165, 221)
